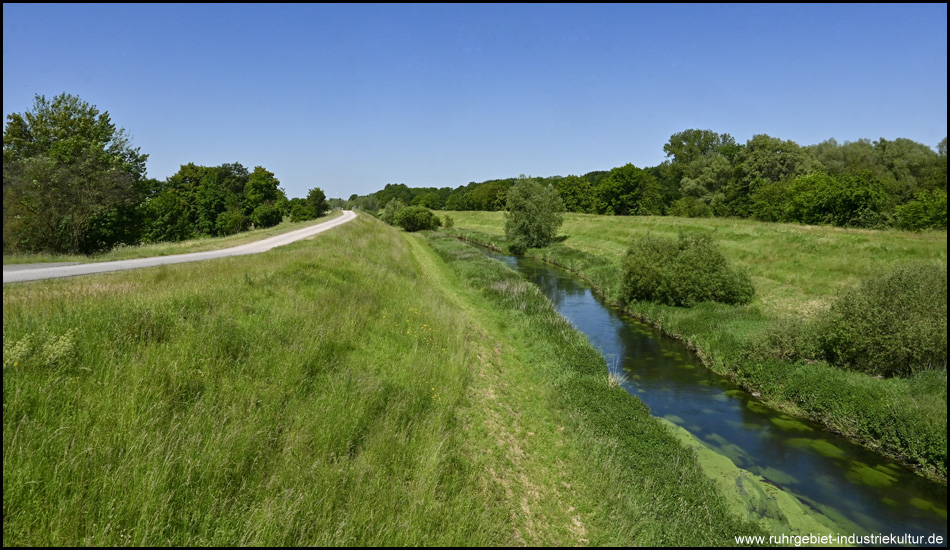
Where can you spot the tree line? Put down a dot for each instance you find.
(73, 183)
(884, 183)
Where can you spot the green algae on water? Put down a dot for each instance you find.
(789, 424)
(862, 473)
(928, 506)
(755, 498)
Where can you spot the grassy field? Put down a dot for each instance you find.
(797, 269)
(797, 272)
(169, 248)
(356, 388)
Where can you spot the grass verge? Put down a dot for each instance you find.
(124, 252)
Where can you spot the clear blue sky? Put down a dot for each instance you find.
(349, 98)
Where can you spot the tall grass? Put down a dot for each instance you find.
(307, 396)
(347, 390)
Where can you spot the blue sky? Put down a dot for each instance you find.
(350, 97)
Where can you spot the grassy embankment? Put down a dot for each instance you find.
(169, 248)
(351, 389)
(797, 272)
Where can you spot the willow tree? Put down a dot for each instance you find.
(534, 215)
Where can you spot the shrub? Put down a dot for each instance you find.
(392, 209)
(858, 200)
(231, 221)
(682, 272)
(534, 215)
(690, 207)
(449, 222)
(265, 215)
(928, 210)
(301, 211)
(894, 324)
(768, 202)
(417, 218)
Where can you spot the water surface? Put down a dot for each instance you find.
(823, 470)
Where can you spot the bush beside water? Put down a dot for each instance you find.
(891, 325)
(894, 324)
(682, 273)
(417, 218)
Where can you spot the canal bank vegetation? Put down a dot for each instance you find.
(315, 396)
(683, 272)
(601, 414)
(824, 298)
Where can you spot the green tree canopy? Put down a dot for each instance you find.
(690, 145)
(534, 215)
(317, 201)
(310, 208)
(576, 193)
(490, 195)
(69, 178)
(198, 200)
(628, 191)
(68, 130)
(858, 200)
(261, 188)
(764, 160)
(391, 210)
(416, 218)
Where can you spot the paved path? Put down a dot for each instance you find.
(20, 273)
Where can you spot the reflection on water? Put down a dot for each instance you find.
(820, 468)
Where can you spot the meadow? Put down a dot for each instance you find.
(798, 272)
(363, 387)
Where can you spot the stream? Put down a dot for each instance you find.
(843, 481)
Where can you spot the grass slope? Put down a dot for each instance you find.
(797, 271)
(351, 389)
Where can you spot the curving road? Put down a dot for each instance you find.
(20, 273)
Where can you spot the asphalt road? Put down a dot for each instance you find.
(34, 272)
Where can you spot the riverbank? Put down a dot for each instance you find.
(571, 375)
(904, 419)
(350, 390)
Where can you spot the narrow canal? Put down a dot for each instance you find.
(857, 488)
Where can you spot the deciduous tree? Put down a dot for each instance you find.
(69, 178)
(317, 201)
(534, 215)
(628, 191)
